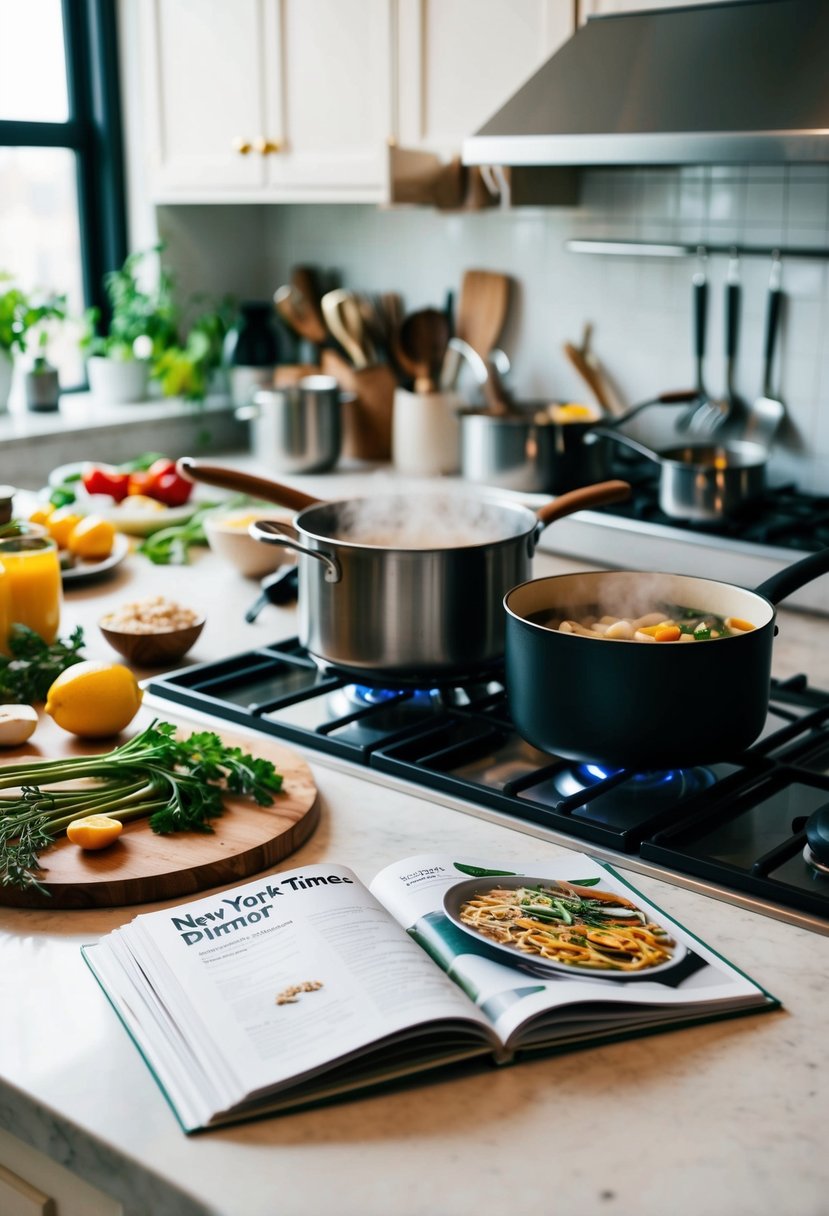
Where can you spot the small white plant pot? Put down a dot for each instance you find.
(118, 381)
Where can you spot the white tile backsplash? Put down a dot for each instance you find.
(640, 307)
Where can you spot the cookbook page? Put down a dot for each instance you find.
(276, 979)
(529, 942)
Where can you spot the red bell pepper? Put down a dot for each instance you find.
(97, 480)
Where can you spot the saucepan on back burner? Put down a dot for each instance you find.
(587, 690)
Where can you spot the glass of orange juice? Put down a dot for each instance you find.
(33, 581)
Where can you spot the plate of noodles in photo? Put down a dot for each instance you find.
(548, 925)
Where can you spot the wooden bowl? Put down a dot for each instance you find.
(153, 649)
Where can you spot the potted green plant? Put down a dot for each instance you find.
(41, 383)
(188, 369)
(142, 325)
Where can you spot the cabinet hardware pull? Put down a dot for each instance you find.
(267, 147)
(242, 146)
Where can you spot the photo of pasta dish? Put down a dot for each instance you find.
(563, 923)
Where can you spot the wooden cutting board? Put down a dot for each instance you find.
(141, 866)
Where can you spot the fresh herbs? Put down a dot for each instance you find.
(27, 674)
(179, 784)
(171, 546)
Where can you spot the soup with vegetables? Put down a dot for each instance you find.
(669, 624)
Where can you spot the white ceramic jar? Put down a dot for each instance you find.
(426, 432)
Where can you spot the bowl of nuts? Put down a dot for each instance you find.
(152, 632)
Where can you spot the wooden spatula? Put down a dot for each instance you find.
(482, 309)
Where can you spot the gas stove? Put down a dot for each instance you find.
(735, 830)
(769, 534)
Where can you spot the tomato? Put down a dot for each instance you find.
(139, 483)
(97, 480)
(167, 485)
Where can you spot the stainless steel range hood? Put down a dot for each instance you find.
(738, 82)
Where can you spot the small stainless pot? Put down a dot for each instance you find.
(702, 481)
(297, 429)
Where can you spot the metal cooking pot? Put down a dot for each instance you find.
(404, 613)
(528, 449)
(702, 481)
(297, 429)
(517, 451)
(628, 704)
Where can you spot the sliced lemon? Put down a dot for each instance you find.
(94, 831)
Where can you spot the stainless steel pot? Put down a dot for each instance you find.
(517, 452)
(528, 449)
(297, 429)
(702, 481)
(407, 614)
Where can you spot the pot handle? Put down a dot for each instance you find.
(784, 582)
(274, 533)
(605, 432)
(598, 495)
(245, 483)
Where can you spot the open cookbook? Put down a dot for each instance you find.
(305, 985)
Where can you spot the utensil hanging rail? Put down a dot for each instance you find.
(682, 249)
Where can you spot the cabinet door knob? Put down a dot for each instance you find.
(242, 146)
(266, 147)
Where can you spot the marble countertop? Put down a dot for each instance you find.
(726, 1119)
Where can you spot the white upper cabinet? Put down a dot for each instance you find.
(458, 61)
(267, 99)
(297, 100)
(589, 8)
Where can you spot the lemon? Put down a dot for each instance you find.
(94, 699)
(42, 514)
(92, 538)
(61, 522)
(94, 831)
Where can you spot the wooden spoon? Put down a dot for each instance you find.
(482, 309)
(421, 347)
(307, 295)
(342, 314)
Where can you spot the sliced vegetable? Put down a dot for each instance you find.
(94, 832)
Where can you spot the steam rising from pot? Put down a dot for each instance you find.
(444, 521)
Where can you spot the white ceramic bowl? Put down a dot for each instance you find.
(227, 536)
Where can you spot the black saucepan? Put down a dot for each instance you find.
(629, 704)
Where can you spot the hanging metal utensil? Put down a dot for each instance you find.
(768, 411)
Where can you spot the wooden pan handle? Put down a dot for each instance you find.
(598, 495)
(245, 483)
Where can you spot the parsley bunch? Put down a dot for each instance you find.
(178, 783)
(29, 672)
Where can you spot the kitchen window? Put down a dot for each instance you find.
(61, 173)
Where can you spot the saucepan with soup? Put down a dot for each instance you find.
(405, 588)
(644, 671)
